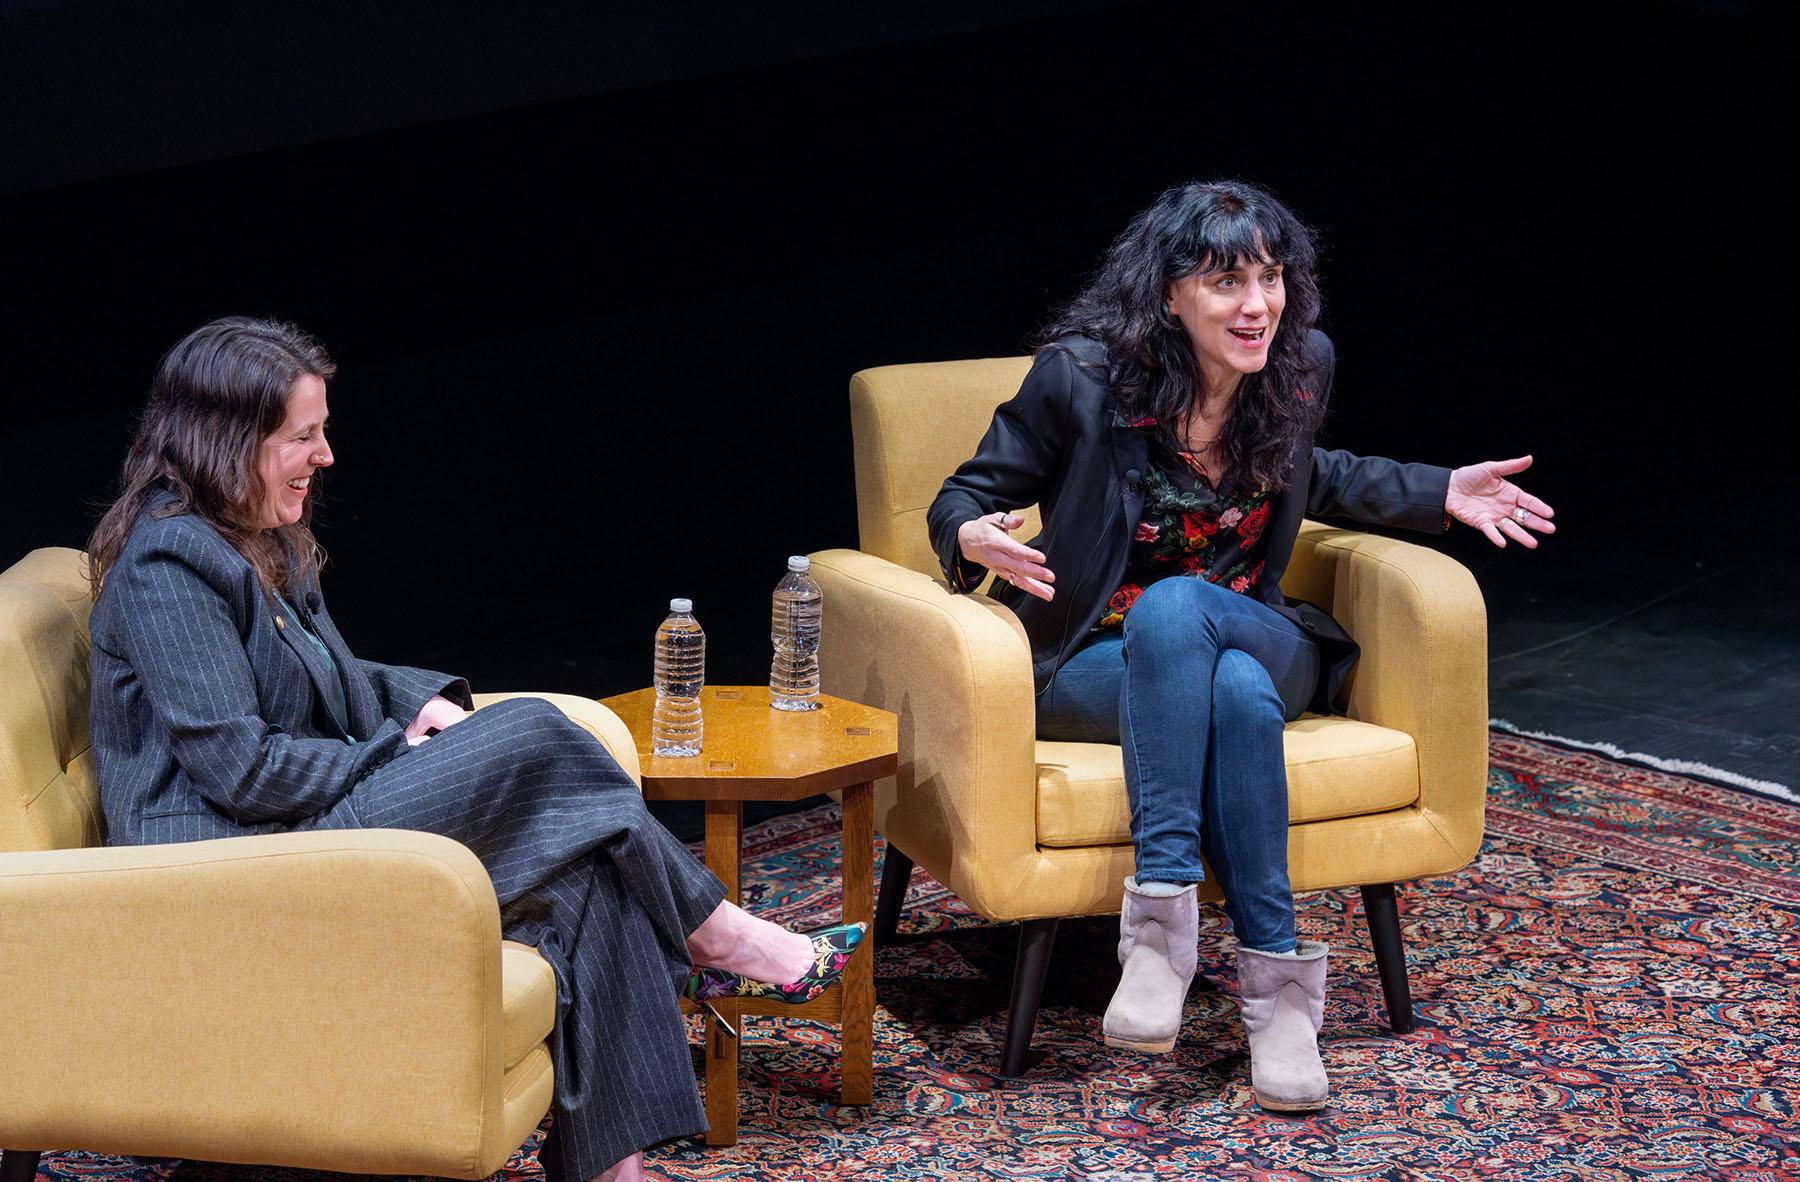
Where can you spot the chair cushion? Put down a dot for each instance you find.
(1337, 767)
(528, 999)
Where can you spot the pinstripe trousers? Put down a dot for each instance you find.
(606, 894)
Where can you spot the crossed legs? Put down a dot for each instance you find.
(1196, 689)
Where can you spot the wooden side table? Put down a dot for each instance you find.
(752, 752)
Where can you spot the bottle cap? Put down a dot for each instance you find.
(799, 562)
(681, 605)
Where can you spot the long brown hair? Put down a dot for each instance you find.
(218, 394)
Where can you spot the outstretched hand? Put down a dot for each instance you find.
(1482, 496)
(988, 540)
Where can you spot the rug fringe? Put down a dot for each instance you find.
(1685, 767)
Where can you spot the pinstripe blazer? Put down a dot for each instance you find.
(208, 708)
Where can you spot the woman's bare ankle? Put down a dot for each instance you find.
(713, 938)
(736, 941)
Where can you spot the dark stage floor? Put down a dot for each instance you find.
(1699, 664)
(1672, 635)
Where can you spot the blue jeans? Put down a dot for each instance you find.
(1196, 689)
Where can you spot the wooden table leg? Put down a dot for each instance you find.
(857, 1034)
(724, 857)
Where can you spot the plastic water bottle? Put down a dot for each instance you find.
(794, 627)
(676, 727)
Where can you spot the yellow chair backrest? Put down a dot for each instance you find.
(48, 795)
(912, 425)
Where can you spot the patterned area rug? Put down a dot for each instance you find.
(1607, 993)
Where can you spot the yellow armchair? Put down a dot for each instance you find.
(336, 1000)
(1022, 829)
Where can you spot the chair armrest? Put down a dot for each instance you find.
(957, 671)
(320, 998)
(600, 722)
(1422, 625)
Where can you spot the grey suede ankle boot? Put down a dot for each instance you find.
(1282, 1001)
(1157, 938)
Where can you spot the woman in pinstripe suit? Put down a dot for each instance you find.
(225, 702)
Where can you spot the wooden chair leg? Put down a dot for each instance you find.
(896, 873)
(19, 1165)
(1382, 911)
(1036, 938)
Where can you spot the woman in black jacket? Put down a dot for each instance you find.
(1166, 430)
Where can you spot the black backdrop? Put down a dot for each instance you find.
(594, 314)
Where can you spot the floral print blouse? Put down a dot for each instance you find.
(1189, 527)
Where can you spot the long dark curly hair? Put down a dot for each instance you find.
(218, 394)
(1200, 228)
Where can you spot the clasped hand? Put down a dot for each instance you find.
(988, 540)
(438, 714)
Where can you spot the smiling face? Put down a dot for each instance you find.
(1230, 316)
(287, 459)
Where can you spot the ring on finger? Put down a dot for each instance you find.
(1520, 514)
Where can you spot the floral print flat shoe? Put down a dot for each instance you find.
(832, 949)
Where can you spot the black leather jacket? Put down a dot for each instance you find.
(1056, 444)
